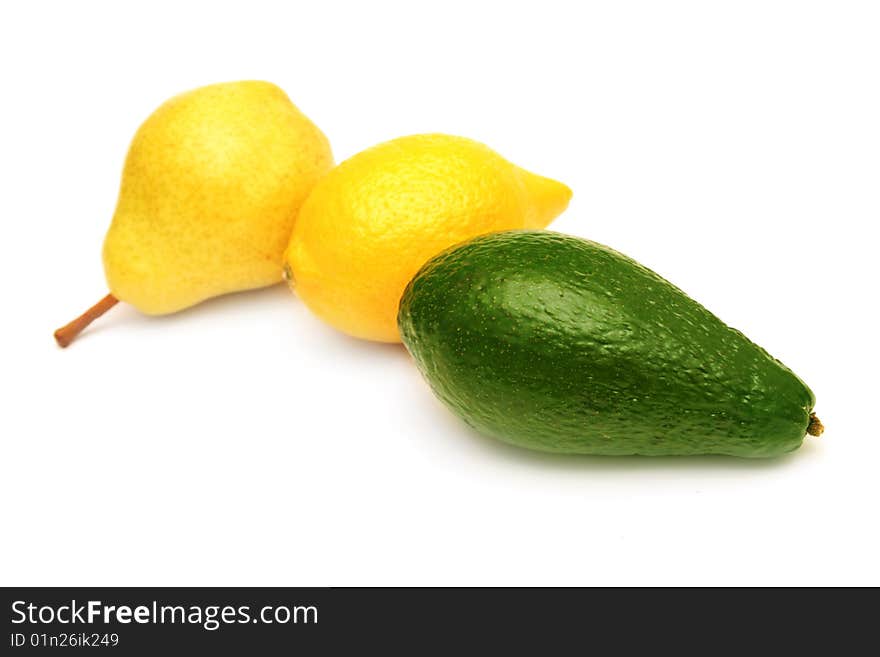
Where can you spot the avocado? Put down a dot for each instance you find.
(559, 344)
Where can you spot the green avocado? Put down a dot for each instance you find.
(563, 345)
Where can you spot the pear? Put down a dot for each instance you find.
(211, 186)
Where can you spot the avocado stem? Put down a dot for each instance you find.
(67, 333)
(815, 428)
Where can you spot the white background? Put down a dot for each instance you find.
(734, 147)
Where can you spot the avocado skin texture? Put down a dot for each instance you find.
(559, 344)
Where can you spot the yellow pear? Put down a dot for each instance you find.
(212, 183)
(373, 221)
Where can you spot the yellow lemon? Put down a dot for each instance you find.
(371, 223)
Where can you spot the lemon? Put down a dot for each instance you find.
(371, 223)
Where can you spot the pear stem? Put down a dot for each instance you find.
(67, 333)
(815, 428)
